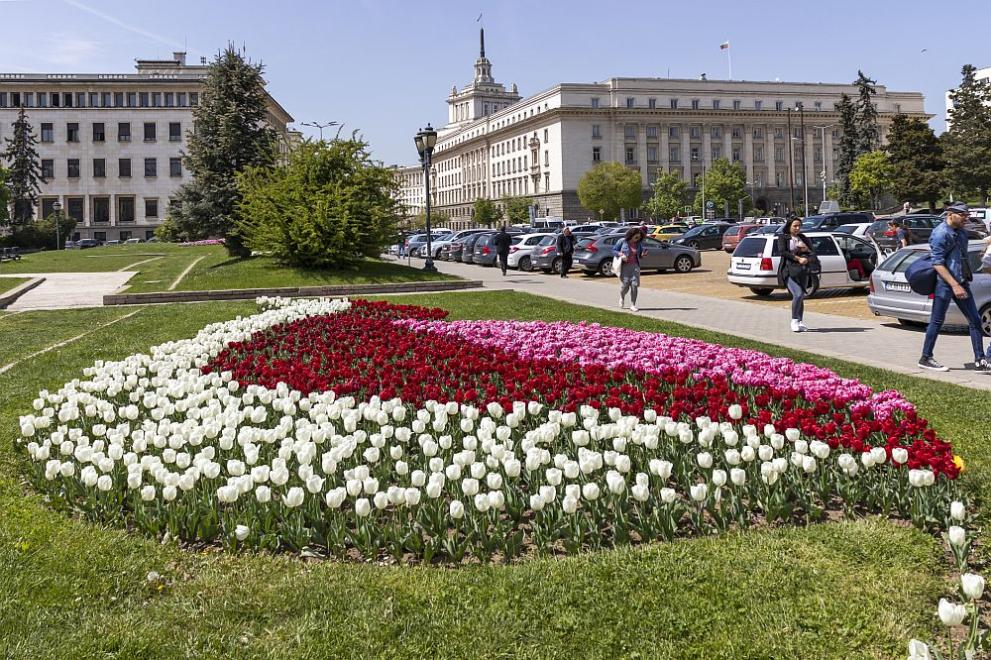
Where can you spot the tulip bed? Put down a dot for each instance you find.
(375, 429)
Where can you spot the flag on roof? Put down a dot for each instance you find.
(724, 45)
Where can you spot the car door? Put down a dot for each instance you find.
(710, 238)
(657, 255)
(833, 263)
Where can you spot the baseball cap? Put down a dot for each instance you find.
(958, 207)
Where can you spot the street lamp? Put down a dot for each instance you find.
(805, 162)
(791, 165)
(57, 209)
(822, 145)
(318, 125)
(425, 141)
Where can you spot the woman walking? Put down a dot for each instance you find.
(629, 251)
(797, 257)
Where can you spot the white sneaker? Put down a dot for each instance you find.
(802, 327)
(622, 303)
(633, 308)
(795, 327)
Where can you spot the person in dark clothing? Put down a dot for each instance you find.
(566, 248)
(796, 258)
(502, 242)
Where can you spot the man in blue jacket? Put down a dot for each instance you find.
(948, 244)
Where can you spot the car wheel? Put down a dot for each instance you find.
(556, 266)
(986, 320)
(812, 287)
(605, 268)
(683, 264)
(761, 291)
(912, 324)
(695, 245)
(524, 263)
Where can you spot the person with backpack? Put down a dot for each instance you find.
(566, 248)
(797, 260)
(502, 241)
(629, 251)
(948, 246)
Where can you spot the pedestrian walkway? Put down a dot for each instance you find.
(65, 290)
(879, 342)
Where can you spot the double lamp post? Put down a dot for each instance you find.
(425, 141)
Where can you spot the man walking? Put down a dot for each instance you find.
(566, 248)
(502, 242)
(953, 276)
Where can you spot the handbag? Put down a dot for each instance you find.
(921, 275)
(617, 265)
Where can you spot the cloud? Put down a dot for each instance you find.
(127, 26)
(68, 51)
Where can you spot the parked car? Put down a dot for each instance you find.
(10, 254)
(485, 251)
(468, 248)
(921, 227)
(438, 245)
(858, 229)
(416, 245)
(890, 294)
(667, 232)
(766, 220)
(583, 231)
(769, 230)
(70, 245)
(982, 216)
(704, 237)
(114, 242)
(133, 241)
(756, 261)
(735, 233)
(830, 221)
(596, 255)
(521, 251)
(545, 255)
(86, 243)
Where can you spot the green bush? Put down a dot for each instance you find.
(40, 234)
(329, 207)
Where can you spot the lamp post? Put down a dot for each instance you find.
(805, 162)
(319, 126)
(822, 145)
(791, 166)
(425, 141)
(57, 208)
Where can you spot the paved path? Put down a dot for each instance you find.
(64, 290)
(877, 342)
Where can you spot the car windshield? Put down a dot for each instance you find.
(750, 247)
(732, 231)
(846, 229)
(694, 231)
(548, 240)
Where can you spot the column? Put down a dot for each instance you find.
(728, 143)
(665, 148)
(827, 156)
(707, 146)
(642, 154)
(686, 154)
(748, 152)
(812, 171)
(769, 157)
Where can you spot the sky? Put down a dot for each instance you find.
(385, 67)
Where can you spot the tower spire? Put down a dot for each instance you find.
(481, 37)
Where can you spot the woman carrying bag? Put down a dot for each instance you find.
(627, 254)
(797, 262)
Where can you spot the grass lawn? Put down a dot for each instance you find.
(158, 265)
(8, 283)
(838, 590)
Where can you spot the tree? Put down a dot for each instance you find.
(725, 185)
(871, 177)
(486, 212)
(329, 207)
(670, 195)
(968, 141)
(868, 136)
(609, 187)
(917, 163)
(4, 198)
(230, 134)
(516, 209)
(437, 219)
(848, 147)
(24, 170)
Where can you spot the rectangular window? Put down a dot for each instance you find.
(72, 168)
(674, 104)
(99, 168)
(175, 131)
(715, 104)
(124, 131)
(56, 100)
(149, 234)
(595, 102)
(156, 99)
(72, 132)
(818, 106)
(695, 153)
(100, 236)
(125, 236)
(175, 167)
(47, 133)
(651, 103)
(75, 210)
(595, 131)
(630, 101)
(47, 170)
(105, 100)
(631, 155)
(99, 135)
(695, 104)
(779, 105)
(67, 100)
(547, 134)
(169, 100)
(149, 131)
(651, 154)
(779, 133)
(717, 132)
(717, 152)
(80, 99)
(125, 209)
(151, 208)
(736, 105)
(3, 99)
(151, 167)
(779, 153)
(758, 133)
(547, 158)
(143, 96)
(758, 154)
(817, 154)
(673, 131)
(736, 155)
(118, 99)
(758, 105)
(630, 132)
(737, 133)
(674, 154)
(101, 209)
(652, 132)
(194, 99)
(124, 167)
(42, 99)
(47, 207)
(132, 99)
(695, 132)
(596, 154)
(181, 99)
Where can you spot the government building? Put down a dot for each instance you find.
(496, 143)
(111, 144)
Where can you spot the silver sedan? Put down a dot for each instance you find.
(595, 256)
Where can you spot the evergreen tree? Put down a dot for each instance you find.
(4, 198)
(968, 142)
(230, 134)
(917, 162)
(848, 147)
(868, 136)
(670, 194)
(23, 170)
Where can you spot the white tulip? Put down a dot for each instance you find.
(481, 502)
(640, 493)
(956, 535)
(719, 478)
(590, 491)
(148, 493)
(661, 468)
(738, 476)
(918, 650)
(704, 459)
(241, 532)
(263, 494)
(335, 498)
(380, 500)
(314, 484)
(497, 500)
(294, 497)
(957, 511)
(735, 412)
(362, 507)
(668, 495)
(169, 493)
(553, 476)
(951, 614)
(899, 455)
(569, 505)
(469, 487)
(699, 492)
(457, 510)
(732, 457)
(972, 585)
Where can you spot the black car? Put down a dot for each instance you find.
(704, 237)
(830, 221)
(468, 248)
(87, 243)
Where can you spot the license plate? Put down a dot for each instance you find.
(897, 286)
(743, 266)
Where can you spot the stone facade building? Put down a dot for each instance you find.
(111, 144)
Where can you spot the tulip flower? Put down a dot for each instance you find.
(294, 497)
(956, 535)
(699, 492)
(957, 511)
(972, 585)
(241, 532)
(951, 614)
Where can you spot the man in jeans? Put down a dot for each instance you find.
(953, 276)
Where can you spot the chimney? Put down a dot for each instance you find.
(180, 57)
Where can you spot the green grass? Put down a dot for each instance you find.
(8, 283)
(839, 590)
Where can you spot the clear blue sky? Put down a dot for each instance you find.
(385, 66)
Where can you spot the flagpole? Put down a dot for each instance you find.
(729, 62)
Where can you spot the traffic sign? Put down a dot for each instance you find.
(710, 204)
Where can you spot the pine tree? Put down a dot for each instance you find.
(848, 147)
(917, 162)
(968, 142)
(24, 170)
(230, 133)
(868, 136)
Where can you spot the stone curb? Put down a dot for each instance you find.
(294, 292)
(9, 297)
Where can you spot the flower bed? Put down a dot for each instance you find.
(375, 428)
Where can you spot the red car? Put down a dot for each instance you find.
(734, 234)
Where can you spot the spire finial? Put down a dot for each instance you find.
(481, 36)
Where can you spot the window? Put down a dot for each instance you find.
(596, 131)
(144, 98)
(630, 132)
(547, 158)
(818, 106)
(630, 101)
(194, 99)
(673, 131)
(181, 99)
(105, 100)
(716, 132)
(736, 155)
(737, 133)
(99, 167)
(72, 168)
(125, 236)
(779, 133)
(169, 100)
(175, 167)
(42, 99)
(596, 154)
(99, 134)
(3, 99)
(652, 132)
(149, 234)
(758, 105)
(695, 153)
(817, 154)
(151, 208)
(156, 99)
(75, 209)
(715, 104)
(47, 133)
(779, 105)
(47, 207)
(47, 170)
(651, 154)
(175, 131)
(736, 105)
(674, 104)
(547, 181)
(56, 99)
(132, 99)
(94, 100)
(149, 131)
(717, 152)
(101, 209)
(125, 209)
(124, 167)
(758, 154)
(547, 134)
(72, 132)
(651, 103)
(631, 155)
(758, 133)
(151, 167)
(695, 104)
(595, 102)
(695, 132)
(118, 99)
(100, 236)
(779, 153)
(674, 155)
